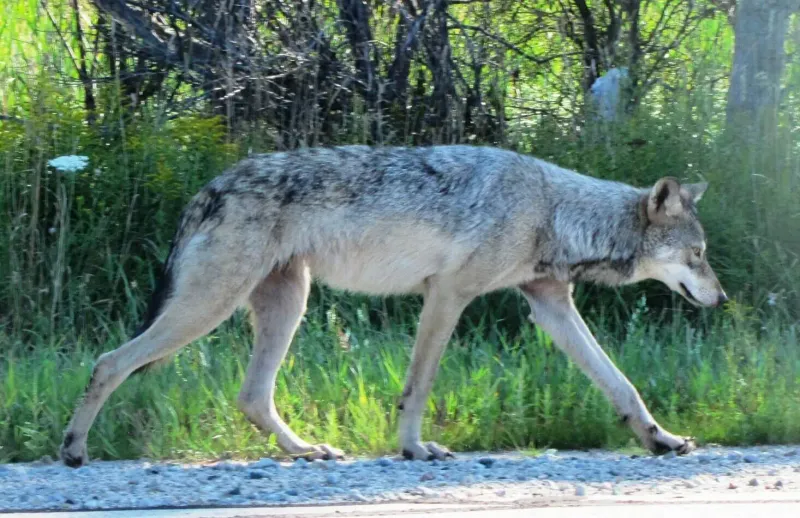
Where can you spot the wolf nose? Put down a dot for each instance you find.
(722, 299)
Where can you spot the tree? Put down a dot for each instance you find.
(759, 60)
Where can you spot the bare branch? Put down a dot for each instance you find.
(501, 41)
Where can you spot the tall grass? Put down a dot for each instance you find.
(723, 382)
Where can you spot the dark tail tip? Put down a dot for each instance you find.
(158, 299)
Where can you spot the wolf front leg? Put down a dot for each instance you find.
(440, 313)
(552, 308)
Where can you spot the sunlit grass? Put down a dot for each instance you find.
(728, 385)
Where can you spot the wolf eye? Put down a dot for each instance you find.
(697, 252)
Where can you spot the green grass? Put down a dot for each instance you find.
(731, 383)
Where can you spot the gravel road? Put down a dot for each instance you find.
(506, 477)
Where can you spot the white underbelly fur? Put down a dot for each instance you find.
(383, 261)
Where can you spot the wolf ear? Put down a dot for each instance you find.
(665, 200)
(696, 190)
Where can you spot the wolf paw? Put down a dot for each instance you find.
(664, 442)
(73, 453)
(426, 451)
(322, 452)
(688, 446)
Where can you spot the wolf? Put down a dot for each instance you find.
(448, 222)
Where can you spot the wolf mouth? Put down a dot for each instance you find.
(689, 296)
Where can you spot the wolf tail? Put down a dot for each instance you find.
(161, 293)
(196, 212)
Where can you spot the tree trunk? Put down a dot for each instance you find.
(758, 62)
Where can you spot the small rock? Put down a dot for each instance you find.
(486, 461)
(153, 471)
(735, 456)
(426, 476)
(580, 490)
(750, 459)
(790, 453)
(235, 491)
(384, 462)
(332, 479)
(301, 462)
(500, 492)
(70, 501)
(732, 486)
(256, 475)
(779, 484)
(359, 496)
(265, 463)
(772, 472)
(753, 482)
(614, 472)
(292, 492)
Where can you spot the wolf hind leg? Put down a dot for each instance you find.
(209, 284)
(277, 303)
(440, 313)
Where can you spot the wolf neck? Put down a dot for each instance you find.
(599, 238)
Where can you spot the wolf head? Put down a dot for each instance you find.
(674, 246)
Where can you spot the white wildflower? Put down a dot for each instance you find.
(69, 163)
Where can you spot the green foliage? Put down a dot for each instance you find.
(727, 384)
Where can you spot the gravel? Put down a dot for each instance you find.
(505, 477)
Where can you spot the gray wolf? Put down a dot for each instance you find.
(447, 222)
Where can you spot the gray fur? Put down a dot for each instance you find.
(449, 222)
